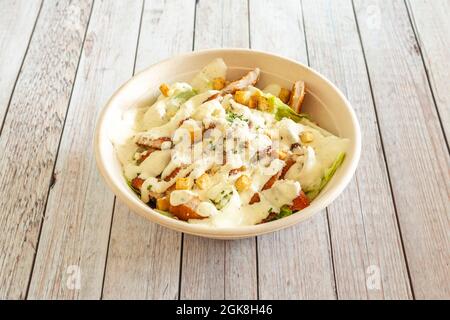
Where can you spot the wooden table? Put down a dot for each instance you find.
(64, 235)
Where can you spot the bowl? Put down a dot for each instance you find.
(324, 102)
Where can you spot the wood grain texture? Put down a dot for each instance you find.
(17, 19)
(364, 232)
(78, 217)
(294, 263)
(167, 29)
(215, 269)
(221, 24)
(144, 258)
(432, 27)
(397, 80)
(31, 133)
(415, 147)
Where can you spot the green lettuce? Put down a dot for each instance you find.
(328, 174)
(282, 110)
(185, 95)
(284, 212)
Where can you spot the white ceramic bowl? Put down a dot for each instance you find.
(326, 104)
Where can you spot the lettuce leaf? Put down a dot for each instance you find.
(185, 95)
(328, 174)
(203, 80)
(282, 110)
(284, 212)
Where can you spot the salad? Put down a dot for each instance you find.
(226, 153)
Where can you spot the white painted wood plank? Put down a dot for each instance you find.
(364, 232)
(215, 269)
(293, 263)
(144, 258)
(415, 148)
(432, 26)
(31, 133)
(17, 19)
(167, 29)
(221, 24)
(77, 222)
(241, 269)
(203, 269)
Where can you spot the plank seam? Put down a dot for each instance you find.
(181, 266)
(366, 242)
(20, 68)
(138, 36)
(419, 43)
(195, 23)
(304, 33)
(257, 269)
(107, 248)
(115, 198)
(42, 221)
(331, 255)
(384, 152)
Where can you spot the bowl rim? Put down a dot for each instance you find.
(137, 206)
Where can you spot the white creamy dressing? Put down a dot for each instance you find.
(238, 212)
(289, 131)
(179, 197)
(163, 109)
(318, 156)
(220, 202)
(203, 80)
(150, 167)
(183, 113)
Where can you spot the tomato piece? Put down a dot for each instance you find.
(301, 202)
(137, 183)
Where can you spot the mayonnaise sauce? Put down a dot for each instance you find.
(179, 197)
(243, 132)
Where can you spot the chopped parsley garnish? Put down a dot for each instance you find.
(223, 200)
(212, 147)
(231, 116)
